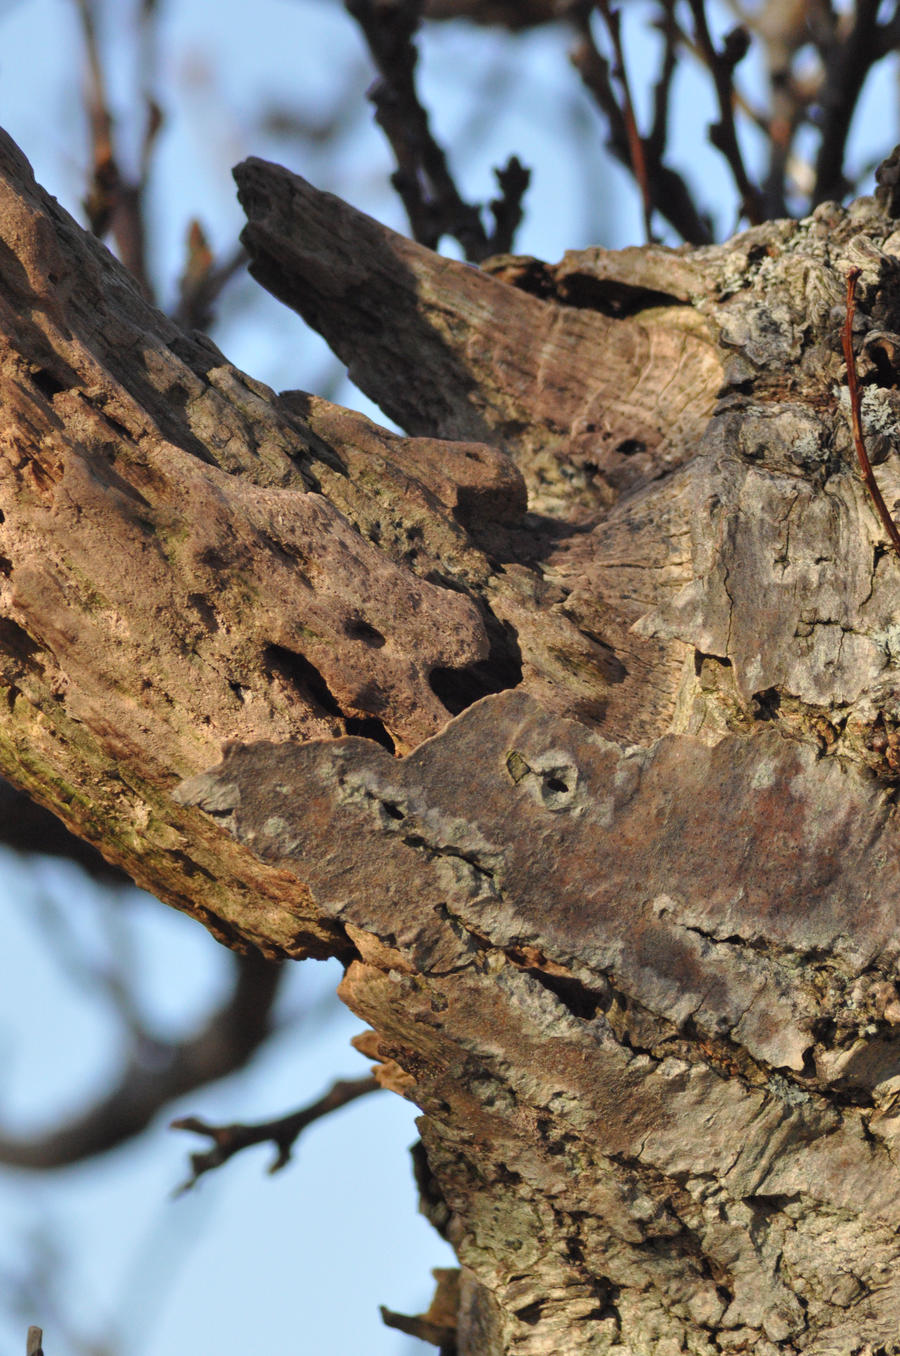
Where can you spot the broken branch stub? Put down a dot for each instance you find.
(450, 351)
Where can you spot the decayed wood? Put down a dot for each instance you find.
(595, 794)
(575, 396)
(590, 961)
(170, 521)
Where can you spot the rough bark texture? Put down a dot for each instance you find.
(594, 793)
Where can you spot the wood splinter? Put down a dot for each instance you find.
(856, 415)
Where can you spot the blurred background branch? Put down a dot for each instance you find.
(721, 115)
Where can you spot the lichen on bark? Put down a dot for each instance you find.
(567, 721)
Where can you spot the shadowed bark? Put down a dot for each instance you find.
(568, 722)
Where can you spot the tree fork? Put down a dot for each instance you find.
(593, 796)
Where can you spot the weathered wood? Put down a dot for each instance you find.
(577, 397)
(595, 795)
(590, 961)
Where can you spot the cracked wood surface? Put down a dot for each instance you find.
(541, 917)
(569, 722)
(576, 396)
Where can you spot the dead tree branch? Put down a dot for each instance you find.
(849, 60)
(591, 793)
(432, 200)
(157, 1072)
(668, 191)
(283, 1131)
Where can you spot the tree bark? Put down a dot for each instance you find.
(569, 722)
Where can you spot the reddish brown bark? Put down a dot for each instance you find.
(593, 791)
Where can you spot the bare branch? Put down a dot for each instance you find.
(100, 198)
(438, 1325)
(433, 203)
(611, 18)
(723, 134)
(203, 280)
(655, 143)
(669, 193)
(849, 61)
(513, 180)
(283, 1131)
(113, 202)
(158, 1072)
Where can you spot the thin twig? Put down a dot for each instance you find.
(856, 416)
(669, 193)
(612, 19)
(849, 61)
(115, 203)
(203, 280)
(101, 197)
(35, 1342)
(282, 1132)
(434, 205)
(512, 180)
(723, 134)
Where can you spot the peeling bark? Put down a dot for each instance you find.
(568, 721)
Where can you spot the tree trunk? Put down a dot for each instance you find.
(570, 723)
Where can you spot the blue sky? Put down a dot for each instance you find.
(246, 1261)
